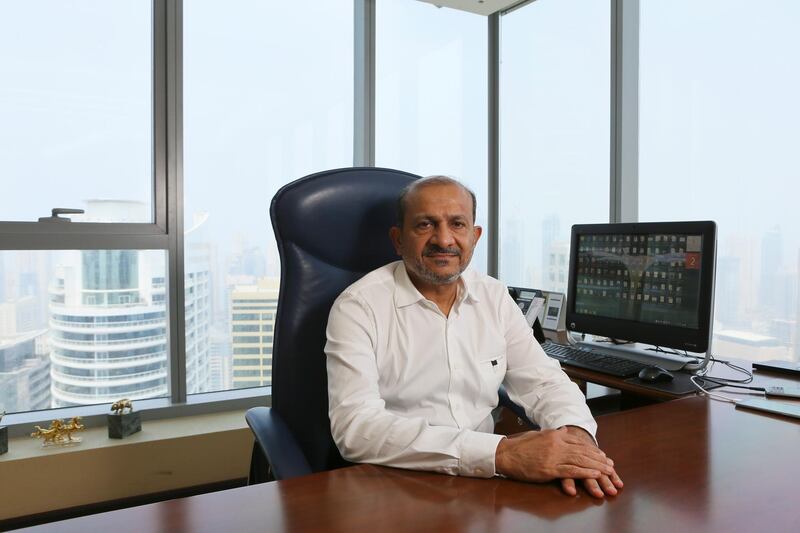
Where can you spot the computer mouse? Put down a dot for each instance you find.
(654, 374)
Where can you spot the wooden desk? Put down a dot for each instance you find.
(688, 465)
(648, 395)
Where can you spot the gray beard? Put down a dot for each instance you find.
(432, 277)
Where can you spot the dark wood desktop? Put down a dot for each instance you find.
(689, 465)
(636, 393)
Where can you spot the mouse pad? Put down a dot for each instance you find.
(680, 384)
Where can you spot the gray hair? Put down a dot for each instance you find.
(402, 200)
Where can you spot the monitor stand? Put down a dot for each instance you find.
(645, 354)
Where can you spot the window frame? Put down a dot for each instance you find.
(166, 232)
(161, 234)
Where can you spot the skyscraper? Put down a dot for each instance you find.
(24, 375)
(253, 318)
(771, 263)
(726, 293)
(551, 228)
(108, 327)
(514, 247)
(797, 316)
(557, 267)
(197, 305)
(108, 322)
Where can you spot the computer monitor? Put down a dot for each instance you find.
(647, 282)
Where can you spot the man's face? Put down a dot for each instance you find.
(438, 234)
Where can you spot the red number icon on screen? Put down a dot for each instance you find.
(693, 261)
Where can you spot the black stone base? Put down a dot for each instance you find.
(3, 439)
(121, 426)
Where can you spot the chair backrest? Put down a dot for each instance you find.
(331, 228)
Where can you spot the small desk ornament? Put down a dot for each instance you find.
(59, 433)
(122, 424)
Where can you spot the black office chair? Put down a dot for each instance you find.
(331, 228)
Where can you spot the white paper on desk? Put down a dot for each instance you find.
(536, 310)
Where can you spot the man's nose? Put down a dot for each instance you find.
(443, 236)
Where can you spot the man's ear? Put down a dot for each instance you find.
(478, 232)
(394, 235)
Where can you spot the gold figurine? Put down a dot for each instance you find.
(59, 432)
(120, 405)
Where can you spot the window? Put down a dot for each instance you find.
(554, 135)
(83, 307)
(264, 95)
(268, 98)
(431, 96)
(245, 327)
(76, 109)
(719, 127)
(59, 348)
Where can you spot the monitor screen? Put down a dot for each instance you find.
(643, 282)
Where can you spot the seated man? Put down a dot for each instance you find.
(418, 348)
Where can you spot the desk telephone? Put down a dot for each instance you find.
(544, 310)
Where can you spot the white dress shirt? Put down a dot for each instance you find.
(410, 387)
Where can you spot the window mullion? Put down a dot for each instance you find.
(624, 186)
(364, 83)
(168, 39)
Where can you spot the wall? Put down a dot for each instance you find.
(165, 455)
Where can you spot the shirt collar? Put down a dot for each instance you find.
(407, 294)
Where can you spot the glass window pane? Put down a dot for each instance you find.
(75, 107)
(81, 327)
(268, 98)
(554, 135)
(719, 131)
(431, 96)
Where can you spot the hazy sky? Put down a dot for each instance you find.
(268, 98)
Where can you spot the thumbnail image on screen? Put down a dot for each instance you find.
(647, 278)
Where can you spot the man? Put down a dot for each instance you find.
(418, 348)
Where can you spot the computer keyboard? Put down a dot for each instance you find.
(599, 362)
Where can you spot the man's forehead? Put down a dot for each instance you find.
(439, 195)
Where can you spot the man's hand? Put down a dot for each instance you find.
(567, 453)
(604, 485)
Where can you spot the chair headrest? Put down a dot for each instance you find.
(341, 217)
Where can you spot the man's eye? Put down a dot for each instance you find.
(423, 225)
(459, 224)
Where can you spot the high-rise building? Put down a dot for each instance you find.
(108, 327)
(24, 373)
(512, 260)
(797, 317)
(551, 229)
(197, 305)
(18, 316)
(108, 322)
(29, 271)
(726, 293)
(219, 358)
(252, 320)
(771, 263)
(557, 267)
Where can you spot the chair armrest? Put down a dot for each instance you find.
(506, 402)
(275, 441)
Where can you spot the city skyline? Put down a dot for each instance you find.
(718, 123)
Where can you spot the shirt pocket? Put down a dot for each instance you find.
(492, 371)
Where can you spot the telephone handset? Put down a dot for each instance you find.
(544, 310)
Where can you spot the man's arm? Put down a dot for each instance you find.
(364, 431)
(537, 382)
